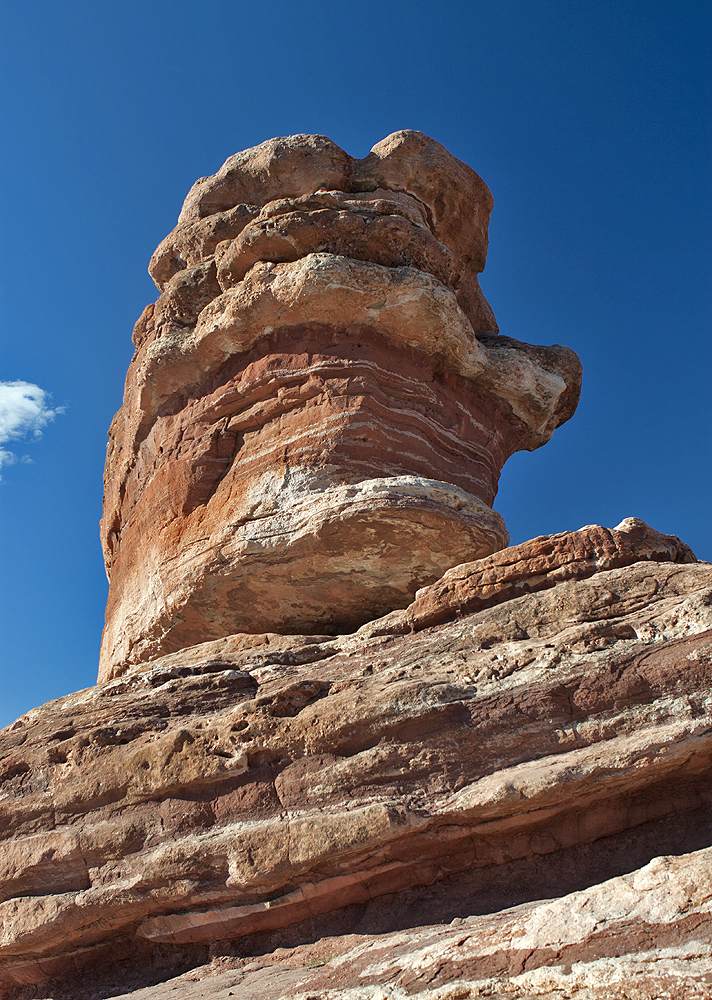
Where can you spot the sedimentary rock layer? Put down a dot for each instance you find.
(536, 565)
(407, 176)
(319, 405)
(642, 935)
(258, 782)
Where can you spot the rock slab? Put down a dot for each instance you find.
(261, 789)
(590, 945)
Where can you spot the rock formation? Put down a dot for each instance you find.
(591, 945)
(319, 408)
(344, 742)
(261, 782)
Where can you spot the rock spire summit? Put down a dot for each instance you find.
(319, 405)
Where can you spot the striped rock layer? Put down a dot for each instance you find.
(319, 405)
(594, 944)
(483, 748)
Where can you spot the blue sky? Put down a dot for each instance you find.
(588, 120)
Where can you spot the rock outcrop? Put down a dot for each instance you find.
(319, 405)
(592, 945)
(261, 785)
(344, 741)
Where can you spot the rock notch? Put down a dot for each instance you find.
(320, 405)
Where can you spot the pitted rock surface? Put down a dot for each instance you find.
(345, 744)
(319, 406)
(261, 789)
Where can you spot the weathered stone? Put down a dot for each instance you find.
(456, 203)
(259, 782)
(590, 945)
(312, 429)
(536, 565)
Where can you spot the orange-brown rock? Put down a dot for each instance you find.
(406, 168)
(346, 745)
(588, 945)
(263, 789)
(536, 565)
(319, 405)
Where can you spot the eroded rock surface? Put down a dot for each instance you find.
(636, 937)
(319, 405)
(261, 789)
(345, 744)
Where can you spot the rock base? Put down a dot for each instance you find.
(481, 748)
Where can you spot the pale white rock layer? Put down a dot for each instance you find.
(268, 549)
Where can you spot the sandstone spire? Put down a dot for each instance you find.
(314, 425)
(319, 406)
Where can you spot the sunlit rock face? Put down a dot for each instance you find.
(320, 405)
(331, 704)
(535, 723)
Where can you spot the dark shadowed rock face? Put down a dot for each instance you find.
(319, 405)
(478, 750)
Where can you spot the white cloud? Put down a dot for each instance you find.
(23, 411)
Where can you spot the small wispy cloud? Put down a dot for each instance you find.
(23, 411)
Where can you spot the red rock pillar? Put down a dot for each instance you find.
(319, 406)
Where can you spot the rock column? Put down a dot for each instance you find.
(319, 405)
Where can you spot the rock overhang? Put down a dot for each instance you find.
(403, 304)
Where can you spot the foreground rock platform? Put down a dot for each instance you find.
(591, 945)
(320, 405)
(484, 748)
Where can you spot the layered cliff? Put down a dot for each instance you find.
(259, 783)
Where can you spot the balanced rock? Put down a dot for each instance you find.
(319, 406)
(338, 722)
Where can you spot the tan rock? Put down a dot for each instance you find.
(457, 202)
(536, 565)
(501, 786)
(312, 429)
(258, 783)
(590, 945)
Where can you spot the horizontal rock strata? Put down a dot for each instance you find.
(642, 935)
(536, 565)
(331, 704)
(319, 405)
(260, 782)
(406, 176)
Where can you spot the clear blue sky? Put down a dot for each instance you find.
(589, 121)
